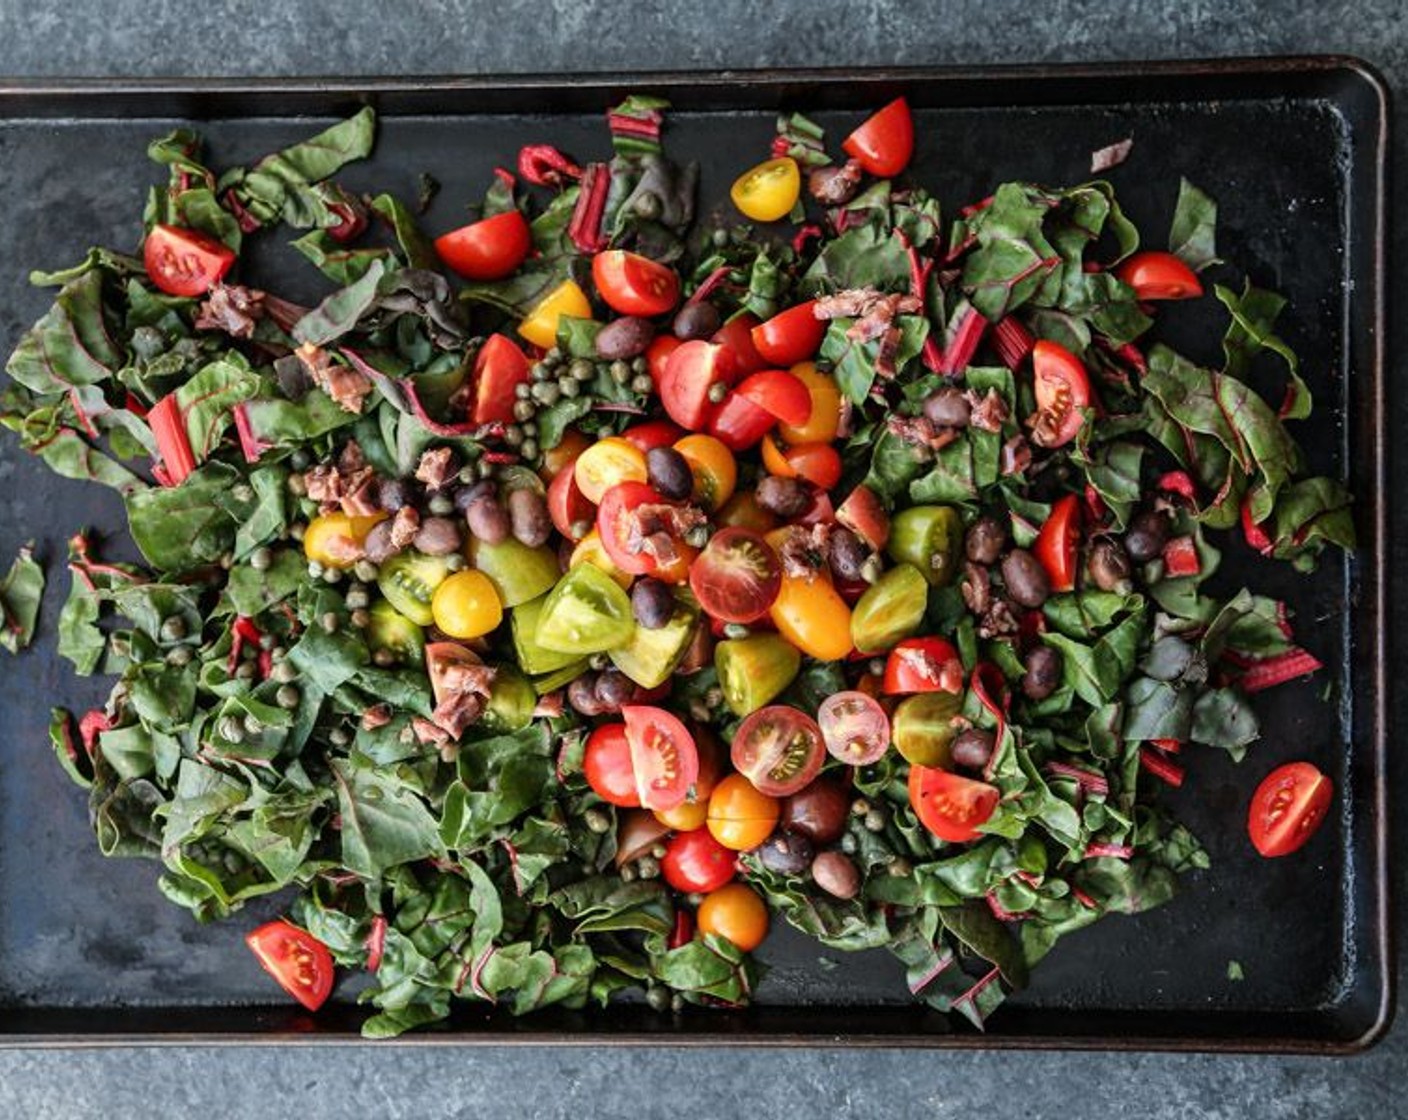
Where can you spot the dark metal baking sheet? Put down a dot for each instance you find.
(1293, 149)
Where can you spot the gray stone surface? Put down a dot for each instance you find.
(243, 37)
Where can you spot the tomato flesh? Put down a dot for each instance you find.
(568, 506)
(780, 393)
(663, 756)
(1062, 391)
(633, 284)
(950, 806)
(923, 665)
(499, 367)
(1288, 808)
(653, 433)
(884, 144)
(855, 728)
(778, 749)
(790, 337)
(768, 191)
(739, 424)
(607, 766)
(619, 507)
(185, 262)
(696, 862)
(1157, 275)
(737, 576)
(1058, 541)
(488, 249)
(691, 370)
(301, 963)
(736, 336)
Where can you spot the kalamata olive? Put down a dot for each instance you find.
(466, 496)
(668, 472)
(1148, 533)
(818, 811)
(581, 694)
(652, 602)
(1026, 580)
(787, 853)
(696, 320)
(985, 540)
(836, 875)
(1043, 674)
(487, 520)
(624, 338)
(438, 536)
(847, 555)
(1109, 565)
(395, 493)
(528, 516)
(378, 545)
(948, 408)
(700, 652)
(972, 749)
(785, 497)
(834, 185)
(613, 688)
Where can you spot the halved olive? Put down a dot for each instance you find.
(930, 538)
(409, 579)
(890, 609)
(755, 669)
(924, 727)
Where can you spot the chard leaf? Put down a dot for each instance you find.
(1223, 718)
(384, 824)
(1192, 236)
(854, 361)
(182, 527)
(70, 346)
(21, 591)
(340, 312)
(1254, 315)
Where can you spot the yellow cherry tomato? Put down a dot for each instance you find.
(739, 817)
(607, 463)
(715, 471)
(735, 913)
(813, 617)
(684, 817)
(742, 511)
(540, 327)
(769, 191)
(590, 550)
(335, 540)
(825, 416)
(466, 605)
(775, 460)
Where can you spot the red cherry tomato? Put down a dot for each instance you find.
(885, 142)
(696, 863)
(690, 373)
(950, 806)
(567, 505)
(607, 766)
(657, 354)
(738, 423)
(498, 368)
(818, 463)
(613, 523)
(488, 249)
(663, 755)
(923, 665)
(1287, 808)
(864, 515)
(737, 576)
(185, 262)
(780, 393)
(1156, 275)
(778, 749)
(1058, 541)
(296, 959)
(737, 336)
(653, 433)
(855, 727)
(790, 337)
(1062, 391)
(635, 285)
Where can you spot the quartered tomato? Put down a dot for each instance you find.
(739, 816)
(790, 337)
(696, 862)
(736, 336)
(923, 665)
(1057, 543)
(663, 756)
(488, 249)
(587, 612)
(950, 806)
(568, 506)
(633, 284)
(738, 423)
(737, 914)
(613, 523)
(1155, 275)
(408, 582)
(885, 142)
(737, 576)
(855, 728)
(864, 515)
(778, 392)
(1287, 808)
(714, 468)
(653, 433)
(890, 609)
(779, 749)
(691, 372)
(296, 959)
(334, 540)
(924, 726)
(817, 463)
(768, 191)
(185, 262)
(755, 669)
(1062, 391)
(498, 368)
(607, 463)
(824, 418)
(606, 763)
(540, 325)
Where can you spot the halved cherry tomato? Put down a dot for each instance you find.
(334, 540)
(1062, 391)
(714, 468)
(864, 515)
(633, 284)
(657, 355)
(1058, 541)
(825, 416)
(498, 368)
(737, 337)
(466, 605)
(950, 806)
(540, 325)
(568, 506)
(779, 749)
(607, 463)
(185, 262)
(488, 249)
(663, 755)
(739, 817)
(818, 463)
(923, 665)
(742, 511)
(813, 617)
(737, 576)
(690, 374)
(1155, 275)
(885, 142)
(564, 454)
(768, 191)
(696, 862)
(737, 914)
(296, 959)
(606, 764)
(591, 550)
(738, 423)
(1287, 808)
(790, 337)
(779, 392)
(653, 433)
(855, 728)
(613, 523)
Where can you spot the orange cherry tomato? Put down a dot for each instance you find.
(739, 817)
(1155, 275)
(790, 336)
(607, 463)
(714, 468)
(684, 817)
(775, 459)
(556, 459)
(488, 249)
(735, 913)
(950, 806)
(825, 416)
(633, 284)
(818, 463)
(885, 142)
(1057, 542)
(811, 615)
(742, 511)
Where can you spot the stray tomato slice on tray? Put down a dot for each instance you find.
(1288, 807)
(1155, 276)
(633, 284)
(663, 756)
(885, 142)
(488, 249)
(855, 727)
(948, 805)
(1057, 543)
(778, 749)
(296, 959)
(185, 262)
(737, 577)
(768, 191)
(1062, 391)
(606, 763)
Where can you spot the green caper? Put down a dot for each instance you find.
(486, 469)
(253, 725)
(513, 435)
(540, 371)
(718, 390)
(357, 599)
(849, 844)
(658, 851)
(648, 867)
(361, 619)
(261, 559)
(330, 621)
(529, 450)
(648, 205)
(242, 492)
(642, 383)
(677, 1003)
(173, 628)
(246, 671)
(455, 562)
(315, 569)
(297, 485)
(620, 371)
(339, 736)
(899, 868)
(580, 529)
(658, 998)
(698, 710)
(547, 392)
(735, 630)
(640, 365)
(521, 390)
(582, 369)
(179, 656)
(553, 356)
(720, 238)
(597, 820)
(530, 430)
(283, 672)
(875, 820)
(296, 530)
(599, 661)
(267, 642)
(523, 410)
(569, 388)
(231, 729)
(628, 873)
(441, 505)
(383, 658)
(288, 697)
(697, 537)
(859, 807)
(332, 575)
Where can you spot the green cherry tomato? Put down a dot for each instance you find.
(512, 699)
(890, 609)
(518, 573)
(391, 630)
(587, 612)
(408, 581)
(930, 538)
(651, 656)
(755, 669)
(923, 727)
(523, 622)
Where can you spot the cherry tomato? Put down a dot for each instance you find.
(1062, 391)
(790, 337)
(818, 812)
(742, 511)
(488, 249)
(778, 749)
(540, 325)
(950, 806)
(690, 374)
(739, 817)
(653, 433)
(714, 468)
(663, 755)
(568, 506)
(885, 142)
(607, 463)
(697, 863)
(466, 605)
(498, 368)
(657, 355)
(633, 284)
(334, 540)
(813, 617)
(737, 576)
(607, 766)
(824, 419)
(1287, 808)
(818, 463)
(684, 817)
(924, 727)
(591, 550)
(737, 337)
(559, 458)
(614, 526)
(1057, 542)
(768, 191)
(782, 394)
(735, 913)
(1155, 275)
(855, 728)
(296, 959)
(864, 515)
(185, 262)
(738, 423)
(923, 665)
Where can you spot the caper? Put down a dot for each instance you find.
(658, 851)
(261, 559)
(530, 430)
(513, 435)
(899, 867)
(628, 873)
(297, 485)
(529, 450)
(300, 460)
(245, 671)
(698, 710)
(849, 844)
(648, 867)
(658, 998)
(582, 369)
(357, 598)
(288, 697)
(541, 371)
(545, 393)
(554, 356)
(485, 469)
(620, 371)
(875, 820)
(523, 410)
(735, 630)
(297, 530)
(173, 628)
(719, 238)
(441, 505)
(179, 656)
(859, 807)
(697, 537)
(580, 529)
(642, 384)
(339, 736)
(677, 1003)
(384, 658)
(283, 672)
(569, 388)
(521, 390)
(330, 621)
(640, 365)
(455, 562)
(332, 575)
(714, 697)
(648, 205)
(361, 619)
(231, 729)
(718, 390)
(597, 820)
(253, 725)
